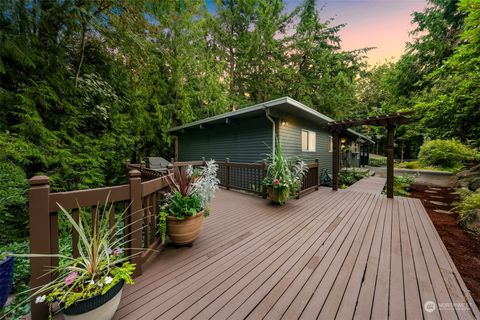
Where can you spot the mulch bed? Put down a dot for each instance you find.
(464, 247)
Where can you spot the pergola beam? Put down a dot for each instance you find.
(385, 120)
(390, 121)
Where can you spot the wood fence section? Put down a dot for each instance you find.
(249, 176)
(141, 198)
(242, 176)
(311, 181)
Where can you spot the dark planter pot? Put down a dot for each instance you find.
(275, 196)
(6, 279)
(101, 307)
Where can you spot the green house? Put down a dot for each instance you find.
(247, 135)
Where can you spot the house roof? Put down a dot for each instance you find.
(285, 104)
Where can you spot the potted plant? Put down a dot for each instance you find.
(284, 177)
(90, 286)
(184, 211)
(6, 277)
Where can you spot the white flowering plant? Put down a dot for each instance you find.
(101, 264)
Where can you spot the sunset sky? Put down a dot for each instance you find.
(383, 24)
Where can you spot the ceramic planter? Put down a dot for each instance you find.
(185, 231)
(101, 307)
(6, 279)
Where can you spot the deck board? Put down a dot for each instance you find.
(369, 184)
(328, 255)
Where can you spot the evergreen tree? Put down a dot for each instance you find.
(323, 75)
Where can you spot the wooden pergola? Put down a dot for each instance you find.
(390, 121)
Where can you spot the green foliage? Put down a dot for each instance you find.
(13, 203)
(21, 275)
(349, 177)
(180, 206)
(192, 191)
(98, 267)
(466, 207)
(409, 165)
(401, 184)
(377, 161)
(284, 176)
(445, 153)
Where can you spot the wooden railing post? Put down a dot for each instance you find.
(136, 216)
(227, 173)
(390, 149)
(39, 218)
(318, 174)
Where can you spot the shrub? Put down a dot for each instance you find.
(445, 153)
(347, 178)
(13, 203)
(466, 207)
(401, 184)
(21, 275)
(410, 165)
(377, 161)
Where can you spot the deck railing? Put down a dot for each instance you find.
(141, 198)
(242, 176)
(236, 175)
(311, 181)
(249, 176)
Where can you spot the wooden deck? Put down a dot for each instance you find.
(328, 255)
(370, 184)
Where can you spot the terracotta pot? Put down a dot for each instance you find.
(184, 231)
(101, 307)
(274, 195)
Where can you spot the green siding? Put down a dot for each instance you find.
(247, 140)
(291, 140)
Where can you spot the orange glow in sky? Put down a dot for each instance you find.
(384, 24)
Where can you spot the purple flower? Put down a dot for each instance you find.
(109, 251)
(118, 251)
(70, 278)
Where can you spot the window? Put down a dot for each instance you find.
(330, 144)
(309, 141)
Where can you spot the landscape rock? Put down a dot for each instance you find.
(474, 184)
(474, 224)
(469, 179)
(442, 211)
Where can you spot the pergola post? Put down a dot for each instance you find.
(336, 160)
(390, 146)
